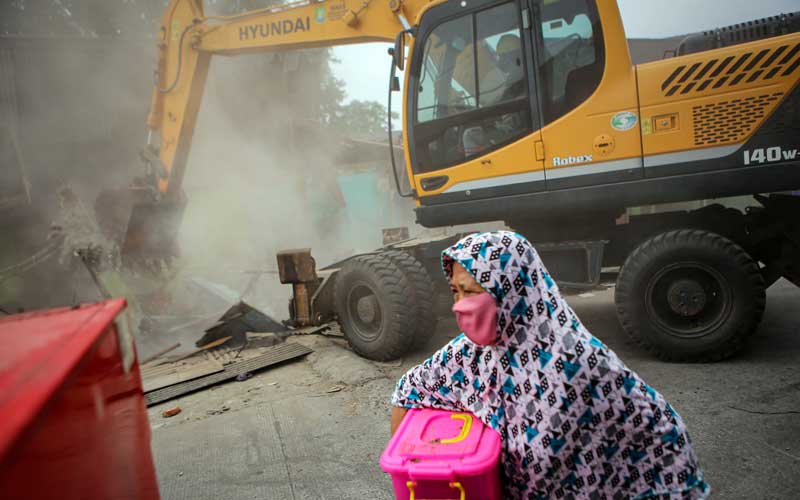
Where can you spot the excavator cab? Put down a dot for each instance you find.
(502, 96)
(470, 92)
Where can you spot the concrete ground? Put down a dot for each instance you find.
(315, 429)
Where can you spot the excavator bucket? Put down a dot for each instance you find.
(153, 231)
(144, 228)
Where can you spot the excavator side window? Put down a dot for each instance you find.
(447, 83)
(571, 55)
(472, 89)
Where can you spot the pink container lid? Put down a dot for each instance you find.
(436, 444)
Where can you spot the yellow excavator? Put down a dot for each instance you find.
(531, 112)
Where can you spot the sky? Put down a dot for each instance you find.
(365, 68)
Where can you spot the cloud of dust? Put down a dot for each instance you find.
(76, 104)
(261, 176)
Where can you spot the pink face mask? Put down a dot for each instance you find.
(477, 318)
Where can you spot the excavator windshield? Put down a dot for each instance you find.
(469, 69)
(449, 84)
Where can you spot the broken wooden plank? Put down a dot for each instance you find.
(152, 372)
(216, 343)
(159, 353)
(277, 354)
(175, 374)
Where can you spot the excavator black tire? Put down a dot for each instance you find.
(424, 295)
(376, 307)
(690, 296)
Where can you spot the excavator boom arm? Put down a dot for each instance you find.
(304, 24)
(188, 39)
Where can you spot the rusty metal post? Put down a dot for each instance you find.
(297, 267)
(302, 305)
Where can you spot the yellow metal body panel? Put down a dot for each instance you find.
(714, 98)
(176, 98)
(574, 134)
(306, 24)
(515, 158)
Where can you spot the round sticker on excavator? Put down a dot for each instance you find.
(624, 121)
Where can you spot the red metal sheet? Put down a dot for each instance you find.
(73, 413)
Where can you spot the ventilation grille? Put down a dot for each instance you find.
(765, 65)
(730, 121)
(785, 119)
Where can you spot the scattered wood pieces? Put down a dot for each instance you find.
(159, 353)
(215, 343)
(218, 412)
(259, 335)
(171, 412)
(331, 390)
(327, 330)
(160, 376)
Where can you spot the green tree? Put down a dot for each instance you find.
(356, 118)
(332, 93)
(362, 118)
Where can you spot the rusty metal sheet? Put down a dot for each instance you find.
(237, 321)
(166, 375)
(278, 354)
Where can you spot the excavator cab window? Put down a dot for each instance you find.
(571, 55)
(471, 92)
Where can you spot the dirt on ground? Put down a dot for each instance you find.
(315, 428)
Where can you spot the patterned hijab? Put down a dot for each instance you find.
(576, 423)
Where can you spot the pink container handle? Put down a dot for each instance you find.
(430, 472)
(462, 492)
(465, 428)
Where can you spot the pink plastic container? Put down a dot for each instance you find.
(443, 455)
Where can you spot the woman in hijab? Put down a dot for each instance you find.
(575, 422)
